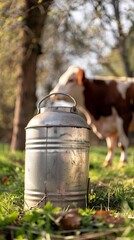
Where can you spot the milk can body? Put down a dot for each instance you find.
(56, 158)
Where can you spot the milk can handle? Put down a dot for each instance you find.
(49, 95)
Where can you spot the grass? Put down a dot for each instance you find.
(113, 187)
(11, 179)
(111, 190)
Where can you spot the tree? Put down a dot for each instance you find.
(9, 36)
(112, 15)
(88, 34)
(79, 32)
(34, 16)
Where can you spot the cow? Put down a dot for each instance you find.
(107, 104)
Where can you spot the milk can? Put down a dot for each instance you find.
(56, 157)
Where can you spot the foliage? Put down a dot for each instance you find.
(109, 215)
(10, 35)
(111, 62)
(34, 16)
(50, 221)
(86, 35)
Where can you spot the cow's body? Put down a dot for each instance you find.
(107, 105)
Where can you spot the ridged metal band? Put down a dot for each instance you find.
(67, 196)
(56, 144)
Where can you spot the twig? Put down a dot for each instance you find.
(41, 200)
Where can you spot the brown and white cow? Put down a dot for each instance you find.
(107, 104)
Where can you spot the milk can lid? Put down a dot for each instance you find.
(57, 116)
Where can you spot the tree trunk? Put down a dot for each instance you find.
(122, 39)
(26, 96)
(124, 56)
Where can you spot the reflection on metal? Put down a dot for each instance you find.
(56, 157)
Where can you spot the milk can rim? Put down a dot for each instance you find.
(48, 126)
(69, 109)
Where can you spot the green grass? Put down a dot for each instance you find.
(11, 179)
(110, 189)
(113, 188)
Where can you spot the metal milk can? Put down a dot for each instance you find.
(56, 157)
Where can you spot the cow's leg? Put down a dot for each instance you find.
(111, 145)
(123, 144)
(123, 140)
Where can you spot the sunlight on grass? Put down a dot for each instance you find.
(113, 187)
(110, 189)
(11, 179)
(113, 173)
(113, 183)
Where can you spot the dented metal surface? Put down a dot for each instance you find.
(56, 158)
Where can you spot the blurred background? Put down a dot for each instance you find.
(39, 39)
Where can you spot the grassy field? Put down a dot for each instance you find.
(111, 191)
(113, 187)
